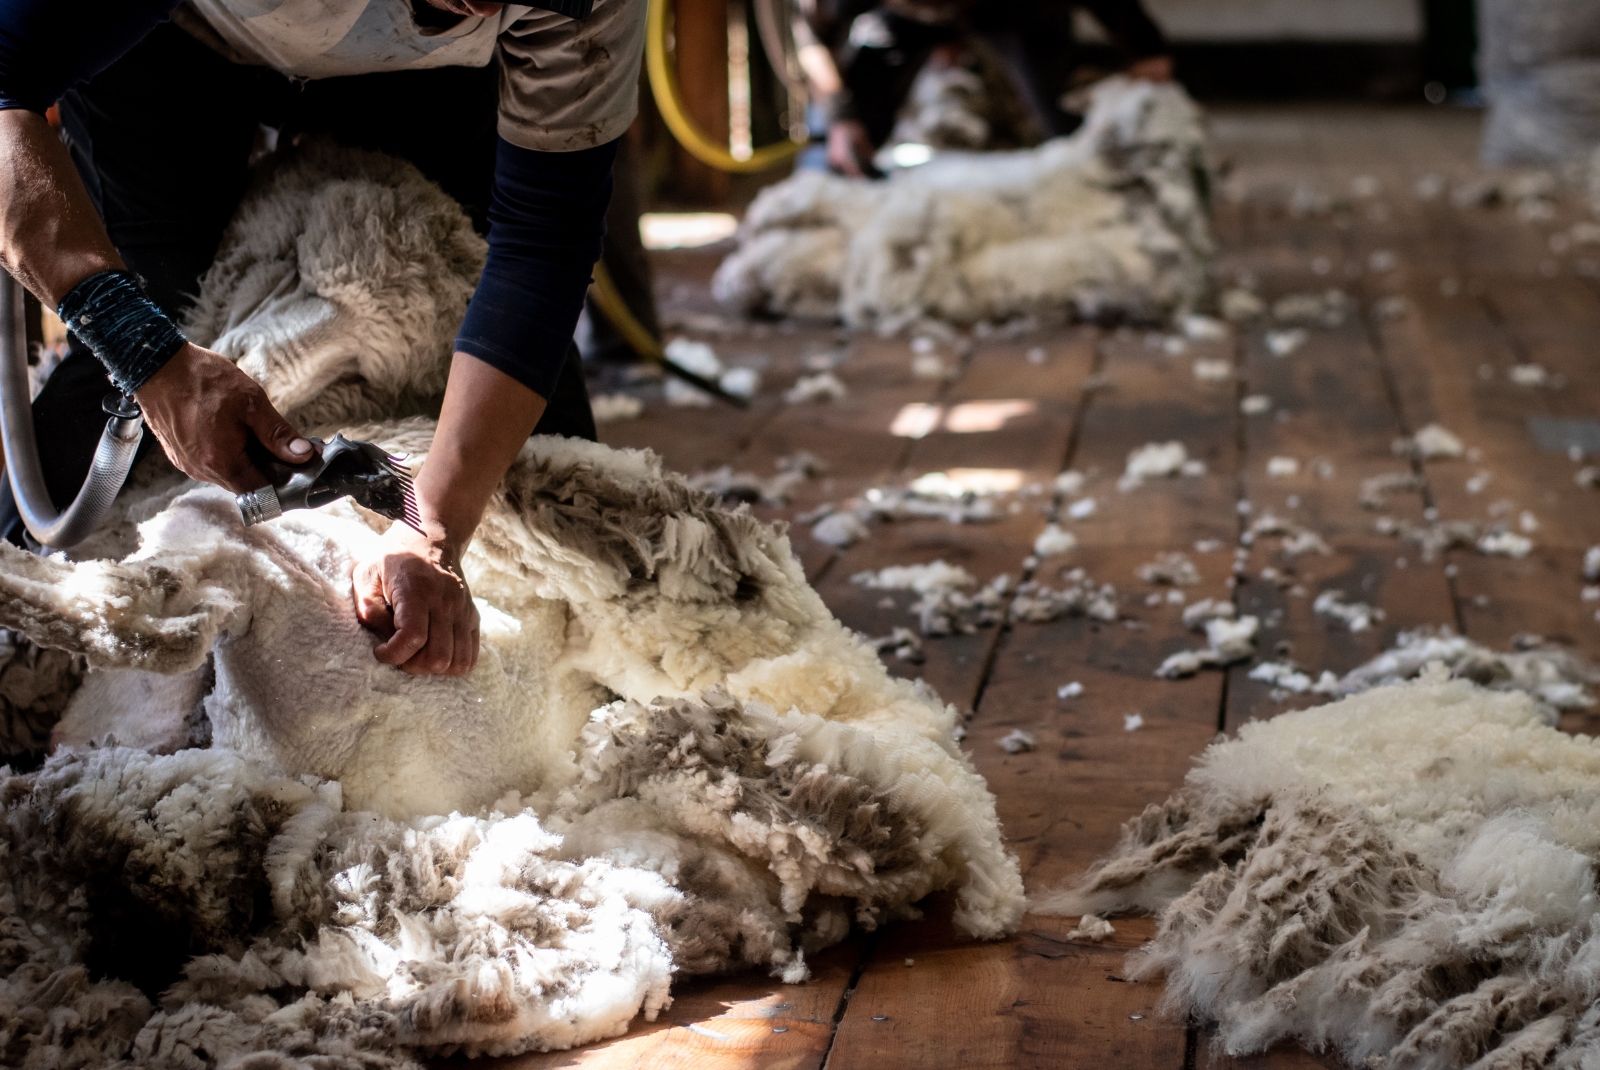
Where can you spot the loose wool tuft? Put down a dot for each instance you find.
(1110, 221)
(1406, 877)
(256, 845)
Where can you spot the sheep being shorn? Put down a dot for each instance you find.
(1110, 221)
(670, 758)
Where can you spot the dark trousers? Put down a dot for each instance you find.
(162, 140)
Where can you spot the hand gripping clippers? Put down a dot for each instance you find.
(362, 471)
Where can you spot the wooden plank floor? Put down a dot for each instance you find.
(1483, 290)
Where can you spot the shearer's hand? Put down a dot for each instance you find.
(848, 147)
(1152, 69)
(204, 411)
(412, 594)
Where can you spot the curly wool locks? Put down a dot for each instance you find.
(670, 757)
(1406, 876)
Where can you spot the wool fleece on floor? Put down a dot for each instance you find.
(1405, 877)
(670, 759)
(1107, 223)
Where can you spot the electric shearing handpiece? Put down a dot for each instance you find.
(371, 476)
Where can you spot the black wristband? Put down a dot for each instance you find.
(112, 316)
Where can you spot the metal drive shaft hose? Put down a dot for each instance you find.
(119, 442)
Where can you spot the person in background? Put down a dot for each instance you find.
(861, 58)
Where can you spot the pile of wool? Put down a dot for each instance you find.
(669, 758)
(1406, 876)
(1109, 221)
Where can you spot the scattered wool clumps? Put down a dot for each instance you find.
(944, 605)
(1091, 928)
(696, 357)
(1405, 877)
(1213, 370)
(1079, 596)
(823, 386)
(1431, 443)
(1326, 309)
(1072, 690)
(1591, 564)
(733, 487)
(1082, 509)
(1229, 638)
(611, 408)
(1018, 741)
(1110, 220)
(1375, 490)
(1555, 677)
(1529, 375)
(903, 643)
(1132, 722)
(1068, 483)
(1282, 343)
(1505, 544)
(1158, 460)
(1282, 467)
(1441, 535)
(1170, 569)
(1295, 538)
(1239, 305)
(1255, 404)
(1054, 540)
(840, 530)
(1287, 677)
(1357, 616)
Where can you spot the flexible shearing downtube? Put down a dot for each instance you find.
(642, 342)
(119, 442)
(664, 87)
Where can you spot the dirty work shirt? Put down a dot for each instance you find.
(568, 90)
(565, 83)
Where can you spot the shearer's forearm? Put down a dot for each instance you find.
(50, 237)
(487, 416)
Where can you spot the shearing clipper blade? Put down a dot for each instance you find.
(361, 471)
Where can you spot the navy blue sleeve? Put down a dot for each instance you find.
(545, 225)
(48, 46)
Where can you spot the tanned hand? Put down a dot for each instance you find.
(413, 595)
(204, 411)
(848, 147)
(1153, 69)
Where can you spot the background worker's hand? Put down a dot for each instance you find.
(1152, 69)
(204, 411)
(411, 592)
(849, 147)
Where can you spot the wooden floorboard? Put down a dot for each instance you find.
(1480, 296)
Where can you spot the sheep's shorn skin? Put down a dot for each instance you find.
(1406, 876)
(1110, 222)
(670, 757)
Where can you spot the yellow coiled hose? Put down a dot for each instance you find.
(664, 87)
